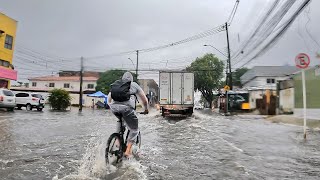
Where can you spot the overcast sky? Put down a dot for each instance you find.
(76, 28)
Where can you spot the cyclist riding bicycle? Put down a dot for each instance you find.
(122, 102)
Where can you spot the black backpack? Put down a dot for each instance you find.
(120, 90)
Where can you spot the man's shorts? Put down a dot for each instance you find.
(127, 113)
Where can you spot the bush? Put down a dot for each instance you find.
(59, 99)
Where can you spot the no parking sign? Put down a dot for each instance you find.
(302, 60)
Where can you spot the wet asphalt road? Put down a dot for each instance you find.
(69, 145)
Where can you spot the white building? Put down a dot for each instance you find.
(266, 77)
(45, 84)
(261, 78)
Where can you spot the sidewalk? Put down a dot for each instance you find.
(290, 119)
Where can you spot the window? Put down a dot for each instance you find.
(4, 63)
(66, 85)
(90, 86)
(51, 84)
(7, 93)
(271, 81)
(22, 95)
(9, 42)
(34, 84)
(37, 96)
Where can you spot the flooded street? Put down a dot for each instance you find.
(69, 145)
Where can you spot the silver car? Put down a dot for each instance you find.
(7, 99)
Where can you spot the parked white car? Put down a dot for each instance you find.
(198, 106)
(29, 100)
(7, 99)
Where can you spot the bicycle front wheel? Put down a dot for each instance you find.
(114, 150)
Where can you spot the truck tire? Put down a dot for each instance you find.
(162, 112)
(190, 111)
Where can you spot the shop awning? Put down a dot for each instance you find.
(6, 73)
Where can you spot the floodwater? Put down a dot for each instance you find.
(69, 145)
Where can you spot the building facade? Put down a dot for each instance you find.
(71, 84)
(8, 28)
(151, 89)
(262, 79)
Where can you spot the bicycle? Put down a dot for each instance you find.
(117, 144)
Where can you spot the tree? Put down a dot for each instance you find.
(208, 72)
(237, 74)
(59, 99)
(108, 77)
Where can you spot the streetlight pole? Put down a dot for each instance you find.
(131, 62)
(217, 50)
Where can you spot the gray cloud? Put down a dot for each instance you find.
(77, 28)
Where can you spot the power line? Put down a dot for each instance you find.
(257, 29)
(306, 27)
(280, 33)
(233, 12)
(204, 34)
(19, 46)
(269, 26)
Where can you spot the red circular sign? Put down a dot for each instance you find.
(302, 60)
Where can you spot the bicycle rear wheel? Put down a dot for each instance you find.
(114, 150)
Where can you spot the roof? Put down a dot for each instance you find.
(63, 78)
(268, 71)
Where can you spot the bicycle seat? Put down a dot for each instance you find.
(118, 115)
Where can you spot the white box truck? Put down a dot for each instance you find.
(176, 94)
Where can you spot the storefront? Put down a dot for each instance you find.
(6, 75)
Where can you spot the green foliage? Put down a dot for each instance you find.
(237, 74)
(208, 72)
(108, 77)
(59, 99)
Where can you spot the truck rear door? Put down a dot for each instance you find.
(188, 88)
(164, 88)
(176, 88)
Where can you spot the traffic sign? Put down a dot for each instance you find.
(227, 88)
(302, 60)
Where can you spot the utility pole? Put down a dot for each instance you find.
(81, 81)
(229, 58)
(227, 79)
(137, 64)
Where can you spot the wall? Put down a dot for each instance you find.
(312, 88)
(74, 86)
(253, 96)
(257, 94)
(262, 82)
(9, 26)
(286, 100)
